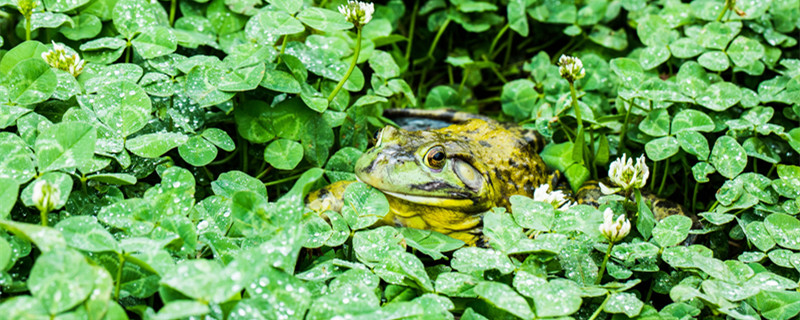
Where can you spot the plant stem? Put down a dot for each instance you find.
(279, 181)
(575, 107)
(694, 196)
(283, 45)
(411, 30)
(664, 177)
(224, 160)
(118, 281)
(494, 69)
(43, 215)
(28, 27)
(623, 132)
(600, 308)
(497, 38)
(508, 49)
(263, 172)
(352, 65)
(716, 202)
(724, 10)
(463, 79)
(605, 261)
(438, 36)
(653, 176)
(173, 4)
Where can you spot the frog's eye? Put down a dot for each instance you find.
(435, 157)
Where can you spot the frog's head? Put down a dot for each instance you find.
(433, 168)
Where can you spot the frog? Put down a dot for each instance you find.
(445, 179)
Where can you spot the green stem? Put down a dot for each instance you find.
(450, 74)
(600, 308)
(694, 196)
(577, 109)
(664, 177)
(118, 283)
(623, 132)
(438, 36)
(43, 215)
(494, 69)
(497, 38)
(173, 5)
(411, 30)
(711, 209)
(772, 169)
(571, 135)
(755, 165)
(463, 79)
(352, 65)
(263, 172)
(605, 261)
(724, 10)
(574, 95)
(508, 49)
(279, 181)
(653, 176)
(224, 160)
(283, 45)
(28, 27)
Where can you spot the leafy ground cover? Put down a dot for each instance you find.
(155, 157)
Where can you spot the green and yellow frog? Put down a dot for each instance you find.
(445, 179)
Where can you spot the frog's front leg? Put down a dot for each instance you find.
(328, 198)
(331, 198)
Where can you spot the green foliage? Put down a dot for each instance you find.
(183, 151)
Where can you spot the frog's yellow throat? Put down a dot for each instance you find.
(456, 224)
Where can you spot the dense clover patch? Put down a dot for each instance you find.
(156, 156)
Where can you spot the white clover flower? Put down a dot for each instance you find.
(45, 195)
(627, 175)
(557, 198)
(58, 58)
(614, 230)
(357, 12)
(571, 68)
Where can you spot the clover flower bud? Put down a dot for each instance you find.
(627, 175)
(357, 12)
(571, 68)
(45, 195)
(614, 230)
(26, 7)
(59, 59)
(557, 198)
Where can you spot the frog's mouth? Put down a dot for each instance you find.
(456, 200)
(433, 200)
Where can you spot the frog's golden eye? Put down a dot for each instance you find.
(435, 157)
